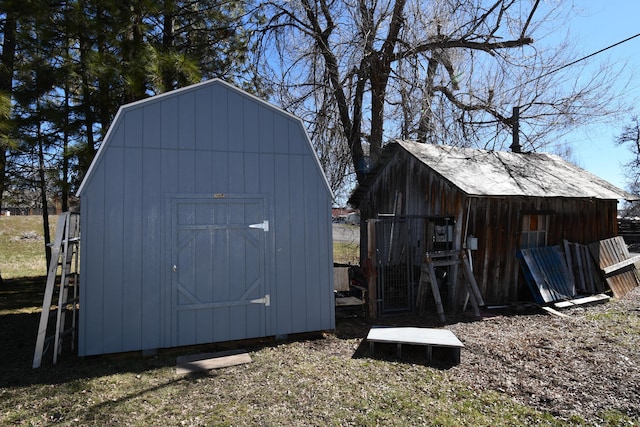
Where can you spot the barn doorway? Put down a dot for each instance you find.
(218, 268)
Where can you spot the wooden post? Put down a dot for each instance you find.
(436, 292)
(371, 270)
(471, 279)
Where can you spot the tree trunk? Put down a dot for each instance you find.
(43, 196)
(167, 74)
(7, 61)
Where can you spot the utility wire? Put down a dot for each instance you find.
(576, 61)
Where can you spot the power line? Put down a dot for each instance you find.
(576, 61)
(515, 146)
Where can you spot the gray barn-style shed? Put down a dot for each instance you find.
(206, 217)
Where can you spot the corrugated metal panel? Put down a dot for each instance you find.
(547, 274)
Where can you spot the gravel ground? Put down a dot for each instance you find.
(582, 365)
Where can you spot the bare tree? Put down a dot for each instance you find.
(440, 71)
(630, 136)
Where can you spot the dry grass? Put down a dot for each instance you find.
(22, 248)
(346, 253)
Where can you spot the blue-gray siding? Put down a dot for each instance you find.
(204, 140)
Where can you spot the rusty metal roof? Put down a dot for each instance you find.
(496, 173)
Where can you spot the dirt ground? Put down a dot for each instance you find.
(585, 364)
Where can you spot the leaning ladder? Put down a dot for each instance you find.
(64, 254)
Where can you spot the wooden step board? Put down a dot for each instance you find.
(208, 361)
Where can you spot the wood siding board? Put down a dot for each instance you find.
(325, 240)
(281, 134)
(93, 223)
(186, 171)
(267, 187)
(152, 263)
(299, 244)
(114, 317)
(284, 245)
(150, 120)
(266, 125)
(186, 331)
(220, 118)
(169, 123)
(220, 170)
(203, 281)
(118, 136)
(312, 240)
(186, 117)
(203, 172)
(133, 129)
(169, 185)
(251, 126)
(236, 173)
(203, 130)
(252, 162)
(235, 113)
(132, 249)
(223, 279)
(296, 138)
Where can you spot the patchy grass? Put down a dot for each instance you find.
(346, 253)
(22, 249)
(318, 380)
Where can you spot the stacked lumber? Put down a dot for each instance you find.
(556, 275)
(616, 264)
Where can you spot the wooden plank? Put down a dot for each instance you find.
(205, 362)
(436, 293)
(580, 301)
(370, 269)
(554, 312)
(348, 301)
(620, 265)
(341, 279)
(466, 263)
(422, 288)
(611, 254)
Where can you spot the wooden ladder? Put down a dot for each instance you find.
(64, 254)
(428, 279)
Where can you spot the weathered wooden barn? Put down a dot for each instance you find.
(428, 198)
(206, 217)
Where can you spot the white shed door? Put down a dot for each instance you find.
(218, 278)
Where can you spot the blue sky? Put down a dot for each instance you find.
(598, 25)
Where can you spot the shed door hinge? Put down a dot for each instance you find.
(266, 300)
(264, 225)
